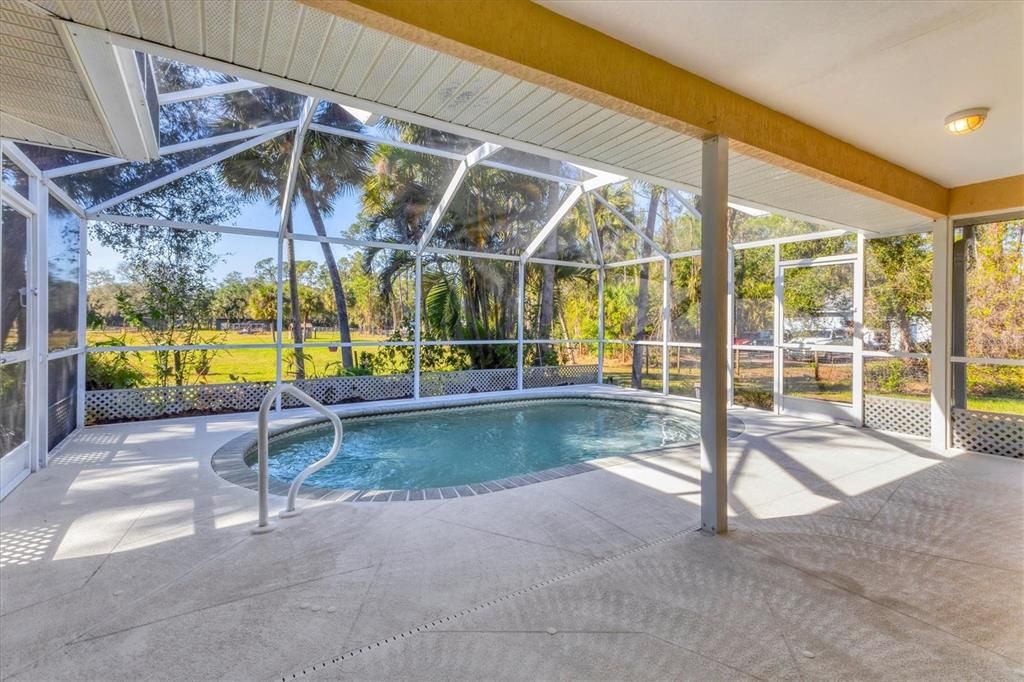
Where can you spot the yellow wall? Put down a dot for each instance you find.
(1004, 194)
(523, 39)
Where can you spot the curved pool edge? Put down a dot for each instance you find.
(229, 461)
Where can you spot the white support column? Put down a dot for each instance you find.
(942, 299)
(777, 333)
(730, 321)
(600, 325)
(595, 239)
(858, 333)
(714, 357)
(520, 316)
(666, 321)
(39, 334)
(83, 302)
(417, 320)
(280, 317)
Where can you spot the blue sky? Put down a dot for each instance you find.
(239, 253)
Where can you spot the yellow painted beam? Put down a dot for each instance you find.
(1004, 194)
(530, 42)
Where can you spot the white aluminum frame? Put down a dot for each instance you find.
(580, 189)
(288, 196)
(187, 170)
(207, 91)
(27, 452)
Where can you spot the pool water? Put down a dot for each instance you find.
(458, 446)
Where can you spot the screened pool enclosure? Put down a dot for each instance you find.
(280, 238)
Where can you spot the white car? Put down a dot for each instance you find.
(819, 337)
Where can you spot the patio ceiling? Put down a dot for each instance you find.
(881, 75)
(301, 48)
(45, 100)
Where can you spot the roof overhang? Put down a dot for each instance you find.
(528, 41)
(71, 88)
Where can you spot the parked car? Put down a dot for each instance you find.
(824, 337)
(754, 339)
(821, 337)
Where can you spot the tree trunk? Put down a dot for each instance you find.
(642, 293)
(293, 296)
(332, 272)
(179, 378)
(549, 249)
(903, 321)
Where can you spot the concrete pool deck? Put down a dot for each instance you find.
(853, 554)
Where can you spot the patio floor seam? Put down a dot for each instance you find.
(491, 602)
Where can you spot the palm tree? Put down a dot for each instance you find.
(549, 250)
(329, 167)
(643, 293)
(494, 211)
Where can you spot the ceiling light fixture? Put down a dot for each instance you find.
(966, 121)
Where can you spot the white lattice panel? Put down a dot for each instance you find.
(467, 381)
(134, 404)
(338, 390)
(996, 434)
(560, 375)
(912, 417)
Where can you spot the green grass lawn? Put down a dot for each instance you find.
(752, 382)
(133, 338)
(246, 364)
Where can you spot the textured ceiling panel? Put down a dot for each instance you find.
(467, 94)
(119, 17)
(365, 50)
(450, 89)
(309, 43)
(553, 132)
(541, 126)
(154, 21)
(486, 107)
(250, 26)
(284, 38)
(17, 129)
(513, 94)
(509, 110)
(338, 46)
(283, 31)
(43, 98)
(758, 182)
(186, 26)
(384, 70)
(538, 115)
(414, 66)
(220, 42)
(617, 148)
(438, 68)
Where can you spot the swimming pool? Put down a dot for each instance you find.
(433, 449)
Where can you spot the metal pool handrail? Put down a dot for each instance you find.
(263, 448)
